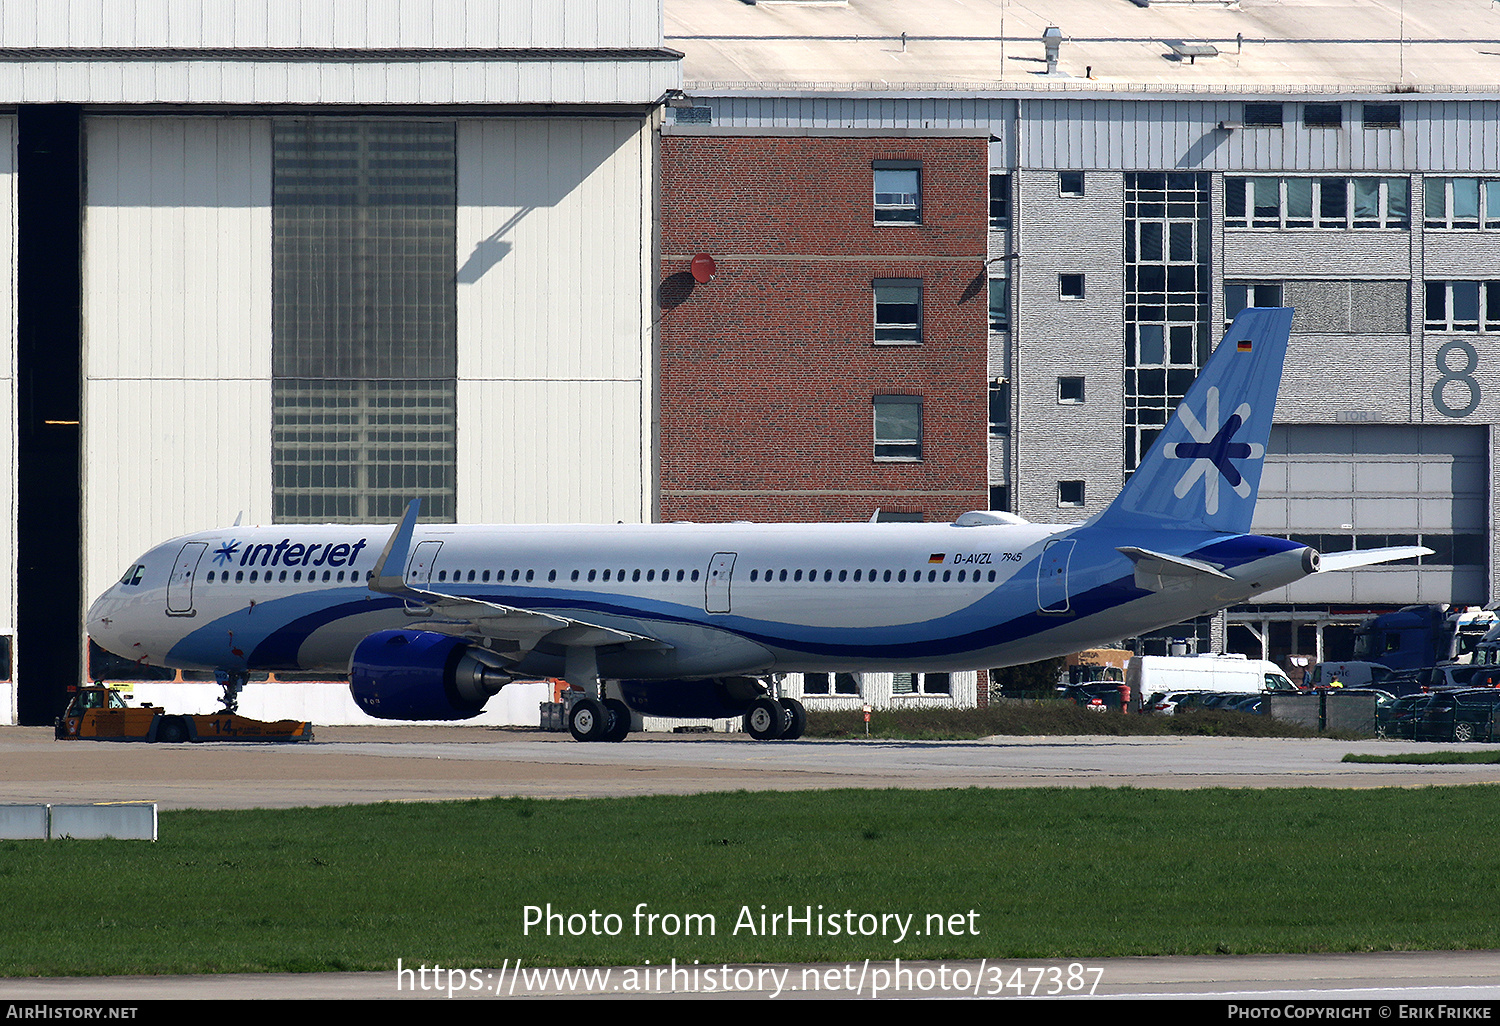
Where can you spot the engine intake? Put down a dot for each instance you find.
(423, 675)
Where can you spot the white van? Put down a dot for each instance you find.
(1350, 674)
(1150, 676)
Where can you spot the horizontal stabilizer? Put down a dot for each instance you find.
(1365, 557)
(1154, 569)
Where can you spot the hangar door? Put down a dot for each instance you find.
(1338, 487)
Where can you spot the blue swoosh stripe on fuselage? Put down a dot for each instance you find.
(981, 624)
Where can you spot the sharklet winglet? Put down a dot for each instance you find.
(393, 557)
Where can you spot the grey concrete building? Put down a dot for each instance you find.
(1171, 165)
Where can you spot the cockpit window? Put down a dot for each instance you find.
(133, 575)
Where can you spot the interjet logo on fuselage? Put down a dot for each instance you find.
(289, 553)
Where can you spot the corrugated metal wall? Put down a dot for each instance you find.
(555, 238)
(1435, 136)
(1056, 132)
(177, 332)
(331, 23)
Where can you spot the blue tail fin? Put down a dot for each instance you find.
(1203, 471)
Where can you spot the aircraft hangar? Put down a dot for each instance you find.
(302, 262)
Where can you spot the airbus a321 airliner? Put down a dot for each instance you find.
(701, 619)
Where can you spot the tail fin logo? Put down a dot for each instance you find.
(1212, 450)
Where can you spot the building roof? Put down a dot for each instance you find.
(1350, 46)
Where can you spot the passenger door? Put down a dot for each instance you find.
(180, 584)
(720, 572)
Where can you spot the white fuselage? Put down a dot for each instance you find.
(707, 599)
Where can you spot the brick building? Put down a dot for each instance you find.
(836, 362)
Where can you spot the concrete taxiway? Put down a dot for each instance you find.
(367, 764)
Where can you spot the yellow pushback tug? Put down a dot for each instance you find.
(99, 713)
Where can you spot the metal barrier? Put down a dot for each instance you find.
(50, 822)
(1326, 710)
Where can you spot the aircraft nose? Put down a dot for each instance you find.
(100, 622)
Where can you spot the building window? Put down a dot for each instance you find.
(1322, 115)
(364, 325)
(692, 115)
(999, 202)
(1070, 494)
(1070, 183)
(898, 311)
(830, 684)
(1382, 115)
(921, 684)
(898, 192)
(898, 427)
(1241, 295)
(1325, 203)
(1000, 498)
(999, 304)
(1262, 115)
(1463, 306)
(999, 406)
(1070, 391)
(1457, 202)
(1070, 286)
(1168, 288)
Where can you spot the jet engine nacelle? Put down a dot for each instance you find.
(423, 675)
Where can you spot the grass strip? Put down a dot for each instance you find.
(1043, 873)
(1043, 718)
(1430, 758)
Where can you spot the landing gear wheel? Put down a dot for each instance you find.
(619, 720)
(796, 719)
(765, 719)
(588, 720)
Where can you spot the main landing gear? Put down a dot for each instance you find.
(593, 720)
(775, 719)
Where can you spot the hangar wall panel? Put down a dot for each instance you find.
(331, 23)
(166, 457)
(550, 451)
(177, 332)
(555, 237)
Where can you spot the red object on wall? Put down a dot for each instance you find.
(703, 268)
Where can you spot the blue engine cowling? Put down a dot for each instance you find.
(423, 675)
(703, 698)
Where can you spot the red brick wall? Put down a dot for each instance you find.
(768, 371)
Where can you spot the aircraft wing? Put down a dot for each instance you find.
(492, 620)
(1154, 571)
(1331, 561)
(514, 623)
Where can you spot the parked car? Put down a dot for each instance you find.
(1454, 675)
(1458, 716)
(1254, 705)
(1098, 696)
(1397, 719)
(1167, 703)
